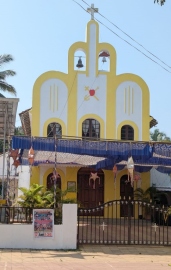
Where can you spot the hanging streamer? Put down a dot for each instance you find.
(130, 167)
(115, 169)
(93, 176)
(31, 158)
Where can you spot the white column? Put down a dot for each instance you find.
(69, 221)
(24, 178)
(92, 50)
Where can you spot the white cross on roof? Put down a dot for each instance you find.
(92, 10)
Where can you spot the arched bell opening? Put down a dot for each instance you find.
(104, 61)
(90, 187)
(80, 60)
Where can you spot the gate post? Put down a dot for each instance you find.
(129, 221)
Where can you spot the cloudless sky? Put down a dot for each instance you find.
(38, 33)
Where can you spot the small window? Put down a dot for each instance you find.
(91, 129)
(127, 133)
(54, 129)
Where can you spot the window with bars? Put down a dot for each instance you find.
(91, 129)
(54, 129)
(127, 133)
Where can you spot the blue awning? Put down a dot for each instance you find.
(145, 154)
(109, 149)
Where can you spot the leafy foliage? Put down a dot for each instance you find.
(157, 135)
(150, 194)
(2, 145)
(167, 214)
(31, 197)
(38, 197)
(4, 86)
(161, 2)
(18, 131)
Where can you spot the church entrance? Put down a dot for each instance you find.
(90, 187)
(126, 193)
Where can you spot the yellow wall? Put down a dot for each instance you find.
(70, 80)
(34, 179)
(73, 126)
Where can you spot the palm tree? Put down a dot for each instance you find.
(4, 86)
(151, 194)
(18, 131)
(146, 195)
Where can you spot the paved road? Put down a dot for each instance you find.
(88, 257)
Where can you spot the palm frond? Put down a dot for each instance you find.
(6, 73)
(5, 58)
(7, 87)
(37, 189)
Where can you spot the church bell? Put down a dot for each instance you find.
(79, 64)
(104, 59)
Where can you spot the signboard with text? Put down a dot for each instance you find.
(43, 223)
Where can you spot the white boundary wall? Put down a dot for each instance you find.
(22, 235)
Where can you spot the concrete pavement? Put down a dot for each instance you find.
(88, 257)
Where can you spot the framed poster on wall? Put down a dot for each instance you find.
(71, 186)
(43, 223)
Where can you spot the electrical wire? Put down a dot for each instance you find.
(65, 103)
(69, 93)
(134, 47)
(90, 88)
(126, 41)
(129, 36)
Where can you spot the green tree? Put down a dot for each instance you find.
(18, 131)
(2, 145)
(4, 86)
(150, 195)
(157, 135)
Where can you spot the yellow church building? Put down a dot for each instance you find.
(90, 103)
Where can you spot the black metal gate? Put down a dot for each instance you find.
(149, 224)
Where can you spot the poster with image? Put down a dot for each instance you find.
(43, 222)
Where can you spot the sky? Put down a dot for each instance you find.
(38, 34)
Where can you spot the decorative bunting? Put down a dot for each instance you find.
(130, 167)
(94, 176)
(31, 158)
(115, 169)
